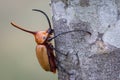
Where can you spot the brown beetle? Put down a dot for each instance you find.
(44, 50)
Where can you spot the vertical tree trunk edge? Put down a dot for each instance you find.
(94, 56)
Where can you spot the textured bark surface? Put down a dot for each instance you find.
(90, 57)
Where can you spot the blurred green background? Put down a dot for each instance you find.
(17, 49)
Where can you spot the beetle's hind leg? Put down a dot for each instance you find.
(59, 67)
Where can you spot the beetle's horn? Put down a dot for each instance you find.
(19, 27)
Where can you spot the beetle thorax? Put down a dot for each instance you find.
(41, 36)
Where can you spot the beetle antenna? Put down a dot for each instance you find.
(45, 16)
(19, 27)
(66, 33)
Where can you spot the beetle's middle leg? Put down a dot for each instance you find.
(52, 47)
(57, 61)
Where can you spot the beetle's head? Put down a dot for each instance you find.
(40, 36)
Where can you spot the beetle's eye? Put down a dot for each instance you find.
(44, 37)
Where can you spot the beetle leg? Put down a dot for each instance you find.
(51, 58)
(58, 62)
(51, 46)
(64, 70)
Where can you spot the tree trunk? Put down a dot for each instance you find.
(93, 53)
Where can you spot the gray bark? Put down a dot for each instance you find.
(90, 57)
